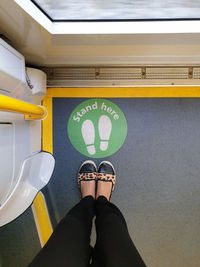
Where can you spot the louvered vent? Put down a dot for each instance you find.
(196, 73)
(119, 74)
(70, 73)
(167, 73)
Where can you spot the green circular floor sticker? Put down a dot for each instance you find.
(97, 128)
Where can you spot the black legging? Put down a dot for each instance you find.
(69, 244)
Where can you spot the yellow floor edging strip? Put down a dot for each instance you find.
(125, 92)
(39, 208)
(41, 217)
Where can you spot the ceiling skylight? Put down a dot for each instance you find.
(81, 10)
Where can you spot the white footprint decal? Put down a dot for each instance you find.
(88, 133)
(105, 127)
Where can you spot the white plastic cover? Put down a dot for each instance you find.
(6, 159)
(35, 174)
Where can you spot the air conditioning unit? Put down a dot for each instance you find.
(12, 69)
(18, 81)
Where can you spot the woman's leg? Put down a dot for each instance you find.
(114, 247)
(69, 245)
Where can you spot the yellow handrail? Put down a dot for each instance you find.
(30, 111)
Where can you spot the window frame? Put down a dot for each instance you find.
(107, 20)
(164, 26)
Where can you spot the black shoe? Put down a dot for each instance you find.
(87, 171)
(106, 173)
(106, 167)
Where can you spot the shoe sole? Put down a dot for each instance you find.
(109, 163)
(88, 161)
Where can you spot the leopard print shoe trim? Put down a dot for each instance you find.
(89, 176)
(106, 177)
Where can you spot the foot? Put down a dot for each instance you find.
(86, 178)
(87, 189)
(106, 180)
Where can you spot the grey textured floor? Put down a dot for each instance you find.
(19, 242)
(158, 184)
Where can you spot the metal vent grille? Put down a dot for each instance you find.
(119, 73)
(70, 73)
(122, 76)
(196, 73)
(167, 73)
